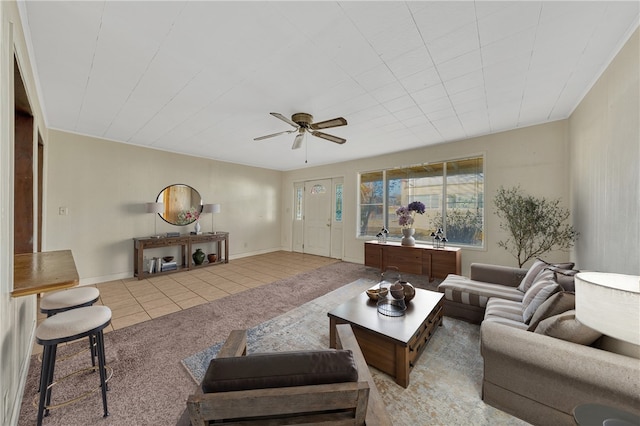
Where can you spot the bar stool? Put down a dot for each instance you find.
(73, 298)
(60, 301)
(68, 326)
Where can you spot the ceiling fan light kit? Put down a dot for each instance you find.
(303, 123)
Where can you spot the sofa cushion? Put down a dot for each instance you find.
(508, 312)
(543, 288)
(279, 369)
(558, 303)
(457, 288)
(565, 326)
(504, 311)
(506, 321)
(538, 266)
(504, 308)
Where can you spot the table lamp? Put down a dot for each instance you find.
(155, 208)
(610, 304)
(211, 208)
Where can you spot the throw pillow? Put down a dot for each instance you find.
(566, 278)
(566, 327)
(539, 299)
(556, 304)
(538, 266)
(545, 277)
(541, 289)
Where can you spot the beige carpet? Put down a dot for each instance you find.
(150, 385)
(445, 384)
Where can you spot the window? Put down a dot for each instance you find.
(298, 203)
(371, 196)
(338, 213)
(452, 192)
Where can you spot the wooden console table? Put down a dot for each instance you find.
(421, 259)
(186, 243)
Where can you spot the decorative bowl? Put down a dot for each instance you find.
(375, 293)
(167, 258)
(409, 290)
(212, 257)
(397, 291)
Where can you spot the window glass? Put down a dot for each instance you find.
(465, 202)
(298, 201)
(338, 216)
(371, 197)
(418, 183)
(452, 192)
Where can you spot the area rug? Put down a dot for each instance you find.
(445, 384)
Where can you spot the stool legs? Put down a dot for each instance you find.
(46, 377)
(48, 366)
(99, 338)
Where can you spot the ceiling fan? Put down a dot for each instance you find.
(303, 122)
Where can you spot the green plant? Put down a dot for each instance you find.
(535, 225)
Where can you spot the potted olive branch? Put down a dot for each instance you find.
(535, 225)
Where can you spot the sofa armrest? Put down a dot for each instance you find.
(558, 373)
(496, 274)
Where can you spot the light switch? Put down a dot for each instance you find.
(63, 211)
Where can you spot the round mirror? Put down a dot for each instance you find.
(182, 204)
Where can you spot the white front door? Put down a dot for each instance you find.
(317, 217)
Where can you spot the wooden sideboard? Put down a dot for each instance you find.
(421, 259)
(186, 243)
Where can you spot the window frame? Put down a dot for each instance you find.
(388, 217)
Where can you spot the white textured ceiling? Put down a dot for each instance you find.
(201, 77)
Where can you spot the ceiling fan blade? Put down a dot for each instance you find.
(329, 137)
(297, 142)
(285, 119)
(272, 135)
(335, 122)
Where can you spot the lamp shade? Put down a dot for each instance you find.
(609, 303)
(155, 207)
(211, 208)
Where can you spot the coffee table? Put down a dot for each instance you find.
(390, 344)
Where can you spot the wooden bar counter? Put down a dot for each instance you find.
(35, 273)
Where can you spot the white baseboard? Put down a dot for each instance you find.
(127, 275)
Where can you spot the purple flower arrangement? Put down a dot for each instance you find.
(407, 214)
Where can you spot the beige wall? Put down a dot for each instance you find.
(105, 185)
(17, 315)
(534, 158)
(605, 164)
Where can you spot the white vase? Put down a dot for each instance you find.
(407, 238)
(197, 227)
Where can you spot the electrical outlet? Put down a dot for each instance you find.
(63, 211)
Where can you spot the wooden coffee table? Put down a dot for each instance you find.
(390, 344)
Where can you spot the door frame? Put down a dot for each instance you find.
(337, 219)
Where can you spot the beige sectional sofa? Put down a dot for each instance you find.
(539, 361)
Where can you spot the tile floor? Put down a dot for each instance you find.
(133, 301)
